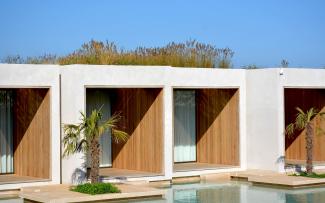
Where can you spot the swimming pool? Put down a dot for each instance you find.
(237, 192)
(230, 192)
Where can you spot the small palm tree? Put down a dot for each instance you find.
(84, 137)
(304, 121)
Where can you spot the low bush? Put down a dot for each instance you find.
(96, 188)
(313, 175)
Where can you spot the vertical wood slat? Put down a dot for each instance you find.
(218, 126)
(304, 99)
(142, 120)
(32, 132)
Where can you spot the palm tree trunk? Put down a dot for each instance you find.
(94, 165)
(309, 148)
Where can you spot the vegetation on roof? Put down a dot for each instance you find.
(187, 54)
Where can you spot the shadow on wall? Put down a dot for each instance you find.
(210, 105)
(80, 175)
(217, 120)
(141, 110)
(26, 104)
(133, 104)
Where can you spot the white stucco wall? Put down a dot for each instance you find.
(264, 146)
(34, 76)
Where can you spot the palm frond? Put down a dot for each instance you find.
(301, 120)
(300, 110)
(320, 131)
(119, 135)
(83, 146)
(311, 113)
(290, 129)
(322, 113)
(111, 123)
(77, 137)
(70, 127)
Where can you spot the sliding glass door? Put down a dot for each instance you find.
(6, 131)
(99, 99)
(184, 126)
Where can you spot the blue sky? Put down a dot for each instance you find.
(260, 32)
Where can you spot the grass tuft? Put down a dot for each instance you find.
(96, 188)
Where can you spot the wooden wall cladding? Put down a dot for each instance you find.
(141, 109)
(218, 126)
(304, 99)
(32, 132)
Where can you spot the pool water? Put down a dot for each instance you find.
(229, 192)
(237, 192)
(11, 199)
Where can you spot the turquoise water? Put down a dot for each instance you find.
(230, 192)
(234, 192)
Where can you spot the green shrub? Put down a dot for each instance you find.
(313, 175)
(96, 188)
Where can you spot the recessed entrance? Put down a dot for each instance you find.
(141, 111)
(295, 151)
(24, 134)
(206, 128)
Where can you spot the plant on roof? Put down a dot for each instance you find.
(84, 137)
(185, 54)
(284, 63)
(304, 121)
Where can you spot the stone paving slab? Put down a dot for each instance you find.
(281, 179)
(62, 194)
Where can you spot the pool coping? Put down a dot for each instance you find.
(273, 179)
(61, 193)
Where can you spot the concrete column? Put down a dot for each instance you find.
(168, 131)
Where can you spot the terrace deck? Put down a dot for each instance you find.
(197, 166)
(13, 178)
(61, 193)
(269, 178)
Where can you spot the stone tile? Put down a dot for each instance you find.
(61, 193)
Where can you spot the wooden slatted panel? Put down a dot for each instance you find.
(305, 99)
(32, 133)
(218, 126)
(142, 120)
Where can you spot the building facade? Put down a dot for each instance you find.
(181, 121)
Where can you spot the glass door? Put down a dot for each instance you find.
(184, 126)
(6, 131)
(96, 99)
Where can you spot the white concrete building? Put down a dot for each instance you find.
(181, 121)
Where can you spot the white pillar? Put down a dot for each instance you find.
(168, 131)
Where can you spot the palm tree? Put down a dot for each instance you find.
(304, 121)
(84, 137)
